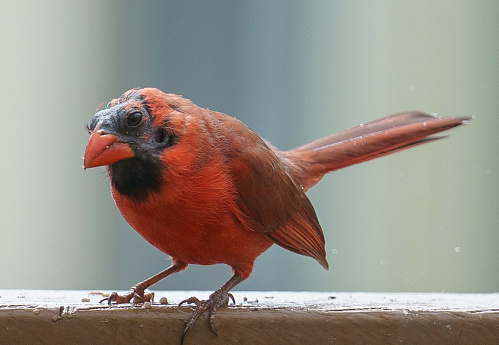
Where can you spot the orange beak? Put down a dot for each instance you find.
(105, 149)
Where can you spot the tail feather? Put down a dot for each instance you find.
(365, 142)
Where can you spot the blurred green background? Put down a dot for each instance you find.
(421, 220)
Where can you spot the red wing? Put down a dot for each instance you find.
(270, 202)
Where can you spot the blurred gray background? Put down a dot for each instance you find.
(421, 220)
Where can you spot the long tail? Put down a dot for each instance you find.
(365, 142)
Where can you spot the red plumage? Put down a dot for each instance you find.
(205, 189)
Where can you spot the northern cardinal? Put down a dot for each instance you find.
(205, 189)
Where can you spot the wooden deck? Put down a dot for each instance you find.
(76, 317)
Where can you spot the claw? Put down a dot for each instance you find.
(192, 300)
(216, 300)
(136, 294)
(114, 296)
(231, 296)
(148, 297)
(211, 317)
(102, 300)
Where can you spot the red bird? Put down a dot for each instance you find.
(205, 189)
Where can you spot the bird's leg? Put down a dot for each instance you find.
(137, 294)
(217, 299)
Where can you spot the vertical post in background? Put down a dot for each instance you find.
(58, 64)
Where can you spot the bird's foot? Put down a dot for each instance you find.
(216, 300)
(136, 295)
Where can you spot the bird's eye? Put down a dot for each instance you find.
(134, 119)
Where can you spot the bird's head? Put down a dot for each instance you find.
(134, 134)
(135, 125)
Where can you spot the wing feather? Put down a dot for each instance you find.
(270, 202)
